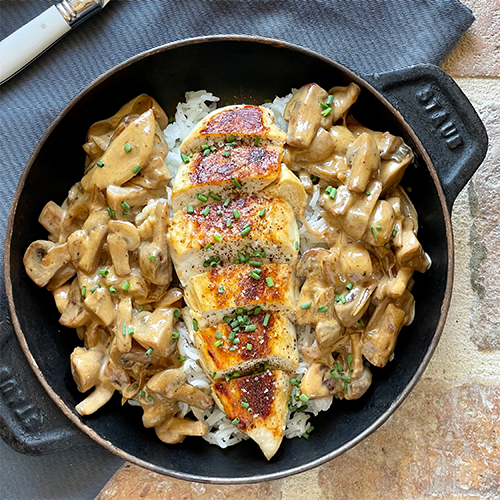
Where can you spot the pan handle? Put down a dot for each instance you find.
(443, 119)
(30, 422)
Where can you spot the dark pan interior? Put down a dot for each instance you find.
(237, 72)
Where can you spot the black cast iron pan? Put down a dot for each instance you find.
(422, 104)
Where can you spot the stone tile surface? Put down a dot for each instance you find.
(478, 52)
(444, 441)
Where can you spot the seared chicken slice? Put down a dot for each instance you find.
(264, 339)
(213, 295)
(228, 171)
(288, 187)
(257, 406)
(217, 235)
(242, 124)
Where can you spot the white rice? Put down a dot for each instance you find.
(221, 432)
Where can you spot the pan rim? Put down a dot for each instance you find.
(258, 477)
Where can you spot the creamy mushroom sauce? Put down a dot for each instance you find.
(107, 263)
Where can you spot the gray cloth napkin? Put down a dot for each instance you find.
(366, 35)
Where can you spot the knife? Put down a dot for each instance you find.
(28, 42)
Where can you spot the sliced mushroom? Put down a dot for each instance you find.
(51, 219)
(381, 224)
(328, 334)
(356, 351)
(61, 297)
(131, 195)
(381, 333)
(342, 139)
(365, 162)
(167, 382)
(100, 303)
(43, 259)
(176, 429)
(154, 330)
(356, 303)
(75, 314)
(411, 252)
(123, 238)
(157, 411)
(344, 98)
(99, 397)
(318, 382)
(303, 114)
(86, 366)
(62, 276)
(392, 171)
(172, 296)
(193, 397)
(320, 149)
(357, 388)
(154, 257)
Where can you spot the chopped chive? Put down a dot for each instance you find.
(125, 213)
(295, 382)
(342, 298)
(349, 358)
(214, 374)
(236, 214)
(149, 351)
(346, 386)
(237, 183)
(326, 111)
(190, 209)
(228, 223)
(177, 313)
(255, 275)
(227, 154)
(257, 310)
(112, 289)
(340, 367)
(84, 291)
(394, 233)
(314, 179)
(228, 200)
(185, 158)
(245, 405)
(217, 237)
(236, 421)
(124, 329)
(171, 119)
(136, 386)
(126, 286)
(99, 163)
(111, 212)
(104, 272)
(213, 148)
(232, 349)
(301, 409)
(246, 231)
(195, 324)
(337, 298)
(346, 377)
(181, 358)
(206, 152)
(231, 138)
(94, 288)
(329, 101)
(349, 286)
(324, 105)
(335, 374)
(137, 169)
(127, 148)
(208, 245)
(262, 212)
(206, 211)
(248, 224)
(205, 146)
(176, 335)
(152, 258)
(304, 398)
(305, 305)
(332, 193)
(214, 196)
(256, 142)
(361, 322)
(250, 328)
(328, 189)
(227, 319)
(367, 193)
(218, 343)
(322, 309)
(296, 245)
(266, 319)
(221, 289)
(218, 335)
(254, 263)
(202, 198)
(374, 233)
(142, 394)
(249, 347)
(263, 254)
(269, 281)
(231, 336)
(378, 228)
(150, 398)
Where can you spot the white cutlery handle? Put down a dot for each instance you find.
(28, 42)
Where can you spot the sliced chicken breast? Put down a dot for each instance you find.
(257, 405)
(254, 229)
(218, 293)
(242, 124)
(245, 341)
(228, 171)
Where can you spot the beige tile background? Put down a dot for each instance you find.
(444, 441)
